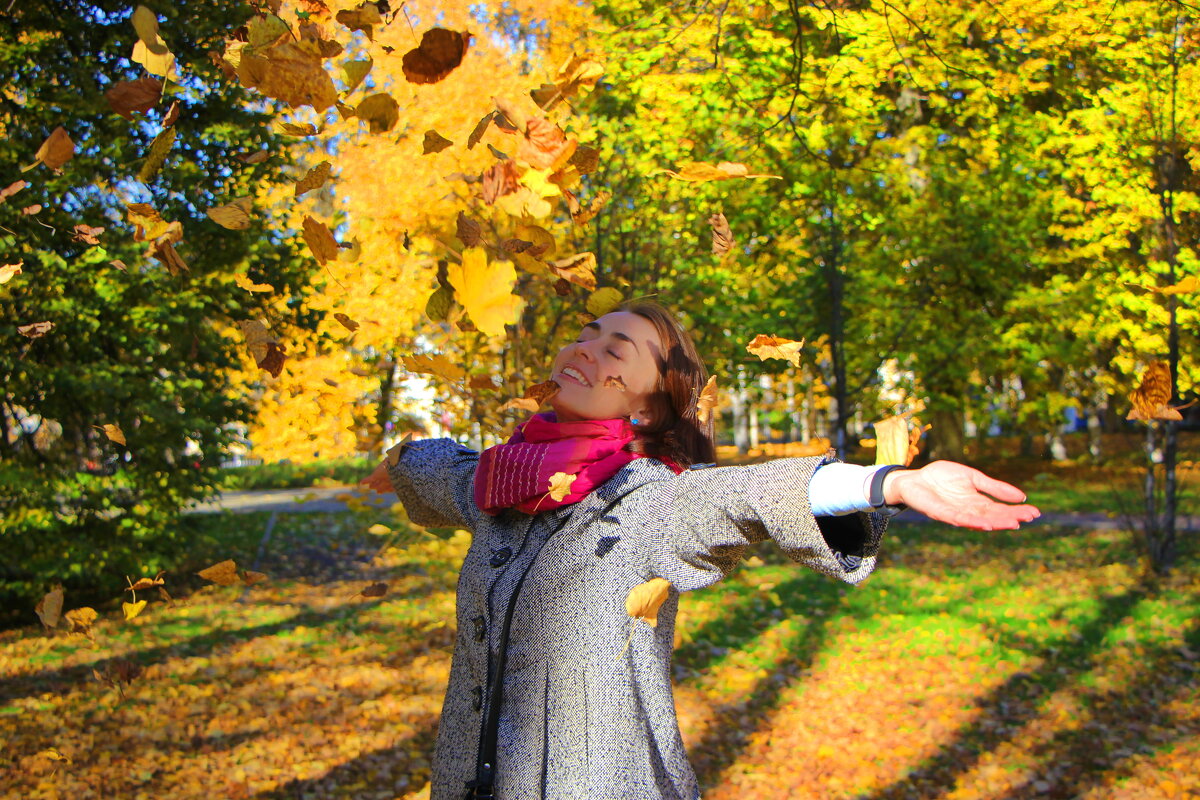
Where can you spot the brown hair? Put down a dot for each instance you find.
(674, 432)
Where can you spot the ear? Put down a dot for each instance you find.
(643, 416)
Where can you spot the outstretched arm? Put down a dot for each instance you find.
(959, 495)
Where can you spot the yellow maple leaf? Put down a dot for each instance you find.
(774, 347)
(560, 485)
(436, 364)
(485, 292)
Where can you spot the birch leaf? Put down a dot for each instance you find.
(560, 485)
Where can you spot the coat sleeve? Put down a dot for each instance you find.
(699, 523)
(434, 479)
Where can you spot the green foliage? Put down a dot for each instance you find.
(327, 472)
(133, 344)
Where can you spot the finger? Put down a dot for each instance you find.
(997, 489)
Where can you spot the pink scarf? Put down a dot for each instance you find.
(516, 474)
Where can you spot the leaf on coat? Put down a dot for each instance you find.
(707, 401)
(774, 347)
(1150, 398)
(644, 600)
(560, 485)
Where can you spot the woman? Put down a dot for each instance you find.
(554, 690)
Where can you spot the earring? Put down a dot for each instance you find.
(634, 420)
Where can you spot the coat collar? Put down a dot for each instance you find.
(634, 475)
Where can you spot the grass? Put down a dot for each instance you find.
(1037, 663)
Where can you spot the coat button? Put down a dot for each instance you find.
(500, 557)
(477, 703)
(480, 628)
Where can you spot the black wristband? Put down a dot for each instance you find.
(875, 494)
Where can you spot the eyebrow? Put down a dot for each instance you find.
(596, 327)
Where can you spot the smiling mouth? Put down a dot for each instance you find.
(575, 375)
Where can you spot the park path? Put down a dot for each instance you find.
(326, 500)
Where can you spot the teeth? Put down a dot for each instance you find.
(576, 374)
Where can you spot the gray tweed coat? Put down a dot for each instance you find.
(541, 605)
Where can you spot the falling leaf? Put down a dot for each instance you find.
(585, 159)
(266, 351)
(257, 157)
(576, 73)
(534, 398)
(706, 403)
(172, 115)
(604, 301)
(1186, 286)
(57, 150)
(250, 286)
(291, 72)
(54, 754)
(379, 530)
(314, 179)
(774, 347)
(644, 600)
(81, 620)
(147, 223)
(126, 97)
(160, 148)
(515, 246)
(380, 111)
(392, 456)
(10, 271)
(892, 441)
(698, 171)
(250, 577)
(49, 608)
(234, 215)
(481, 382)
(113, 432)
(355, 71)
(298, 129)
(346, 322)
(132, 609)
(362, 18)
(146, 583)
(29, 211)
(437, 307)
(150, 50)
(36, 329)
(615, 382)
(544, 145)
(223, 573)
(12, 189)
(440, 52)
(579, 269)
(560, 485)
(320, 241)
(485, 291)
(722, 236)
(436, 364)
(469, 232)
(499, 180)
(1150, 398)
(86, 234)
(480, 128)
(582, 216)
(434, 143)
(375, 590)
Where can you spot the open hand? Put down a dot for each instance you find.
(378, 480)
(957, 494)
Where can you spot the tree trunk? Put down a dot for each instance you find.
(946, 436)
(741, 426)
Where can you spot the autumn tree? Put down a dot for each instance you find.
(119, 293)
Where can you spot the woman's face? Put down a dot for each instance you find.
(610, 372)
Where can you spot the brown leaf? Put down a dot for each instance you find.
(320, 241)
(49, 608)
(584, 216)
(172, 115)
(482, 382)
(87, 234)
(1150, 398)
(29, 211)
(534, 398)
(515, 245)
(254, 158)
(12, 189)
(706, 403)
(439, 54)
(615, 382)
(113, 432)
(140, 95)
(57, 150)
(291, 72)
(585, 159)
(774, 347)
(223, 573)
(545, 146)
(380, 111)
(562, 287)
(36, 329)
(375, 590)
(250, 577)
(81, 620)
(644, 600)
(469, 232)
(498, 180)
(146, 583)
(314, 179)
(362, 18)
(346, 322)
(480, 129)
(265, 349)
(579, 269)
(434, 143)
(722, 236)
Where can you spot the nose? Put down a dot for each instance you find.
(583, 350)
